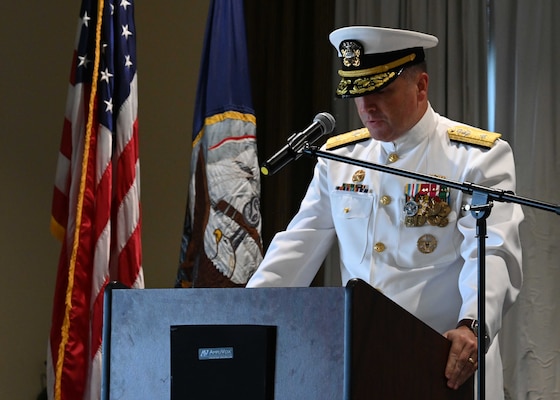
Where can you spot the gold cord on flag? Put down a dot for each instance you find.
(79, 207)
(214, 119)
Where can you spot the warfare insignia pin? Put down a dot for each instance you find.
(358, 176)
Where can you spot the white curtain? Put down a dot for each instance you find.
(522, 36)
(457, 66)
(527, 44)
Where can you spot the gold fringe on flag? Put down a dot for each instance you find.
(79, 207)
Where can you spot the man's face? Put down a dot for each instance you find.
(391, 112)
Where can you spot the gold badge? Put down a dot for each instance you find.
(427, 243)
(358, 176)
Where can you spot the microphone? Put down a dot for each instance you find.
(323, 124)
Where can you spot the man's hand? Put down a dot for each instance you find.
(463, 356)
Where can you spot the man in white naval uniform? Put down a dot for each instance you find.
(411, 240)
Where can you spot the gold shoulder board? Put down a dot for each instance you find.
(359, 135)
(468, 134)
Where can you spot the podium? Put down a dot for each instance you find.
(347, 343)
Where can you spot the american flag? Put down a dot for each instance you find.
(221, 245)
(96, 202)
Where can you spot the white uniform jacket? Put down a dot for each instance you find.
(431, 271)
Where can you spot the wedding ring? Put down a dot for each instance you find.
(471, 360)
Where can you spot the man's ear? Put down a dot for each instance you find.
(422, 86)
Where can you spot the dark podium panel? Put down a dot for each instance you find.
(392, 354)
(215, 362)
(347, 343)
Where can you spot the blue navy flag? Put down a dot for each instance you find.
(221, 245)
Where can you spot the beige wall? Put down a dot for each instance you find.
(37, 39)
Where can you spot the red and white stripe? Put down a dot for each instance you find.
(96, 213)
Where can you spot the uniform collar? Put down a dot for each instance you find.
(411, 139)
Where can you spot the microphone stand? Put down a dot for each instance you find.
(480, 207)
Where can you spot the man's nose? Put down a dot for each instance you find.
(368, 102)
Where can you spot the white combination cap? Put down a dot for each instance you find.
(373, 57)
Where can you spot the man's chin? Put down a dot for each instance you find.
(380, 134)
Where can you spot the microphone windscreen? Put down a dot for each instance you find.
(327, 122)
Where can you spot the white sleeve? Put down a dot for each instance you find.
(504, 277)
(295, 255)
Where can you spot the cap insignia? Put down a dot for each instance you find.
(351, 51)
